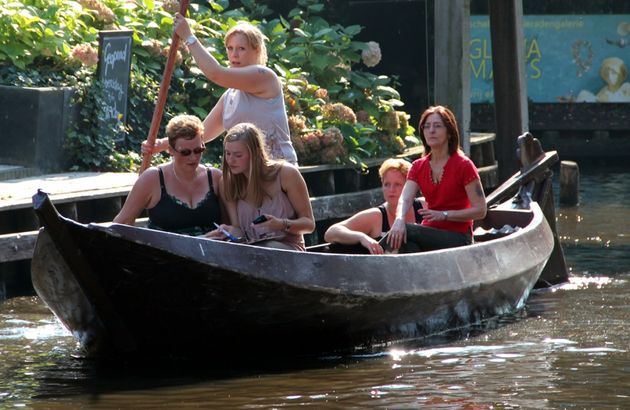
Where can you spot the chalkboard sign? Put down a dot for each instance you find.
(114, 64)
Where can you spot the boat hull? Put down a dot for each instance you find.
(156, 292)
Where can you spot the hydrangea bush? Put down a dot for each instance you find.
(338, 113)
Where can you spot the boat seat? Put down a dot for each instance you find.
(338, 248)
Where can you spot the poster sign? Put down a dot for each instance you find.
(569, 58)
(114, 64)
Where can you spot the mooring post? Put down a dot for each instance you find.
(569, 183)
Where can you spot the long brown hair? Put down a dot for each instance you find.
(261, 167)
(452, 130)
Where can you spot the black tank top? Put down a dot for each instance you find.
(172, 215)
(417, 204)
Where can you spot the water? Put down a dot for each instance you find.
(568, 349)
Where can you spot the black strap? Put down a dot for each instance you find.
(385, 223)
(161, 178)
(209, 178)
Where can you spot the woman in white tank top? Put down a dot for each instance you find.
(254, 92)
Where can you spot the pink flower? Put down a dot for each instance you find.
(85, 54)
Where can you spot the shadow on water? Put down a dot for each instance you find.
(70, 374)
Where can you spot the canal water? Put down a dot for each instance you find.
(569, 348)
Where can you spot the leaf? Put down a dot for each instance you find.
(387, 91)
(412, 140)
(301, 33)
(323, 32)
(280, 70)
(316, 8)
(392, 102)
(352, 30)
(360, 81)
(294, 89)
(201, 113)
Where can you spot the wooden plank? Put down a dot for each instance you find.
(562, 116)
(344, 205)
(489, 176)
(511, 186)
(510, 92)
(67, 187)
(17, 246)
(452, 63)
(413, 152)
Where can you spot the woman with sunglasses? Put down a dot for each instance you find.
(182, 195)
(253, 91)
(266, 200)
(450, 184)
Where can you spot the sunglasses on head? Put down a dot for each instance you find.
(186, 152)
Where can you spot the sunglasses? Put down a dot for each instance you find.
(186, 152)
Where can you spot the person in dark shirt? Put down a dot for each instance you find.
(181, 196)
(370, 225)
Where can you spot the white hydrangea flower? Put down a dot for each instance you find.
(372, 55)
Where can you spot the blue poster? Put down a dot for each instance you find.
(569, 58)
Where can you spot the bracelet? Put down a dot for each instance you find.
(287, 224)
(190, 40)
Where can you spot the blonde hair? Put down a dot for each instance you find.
(398, 164)
(183, 126)
(261, 167)
(255, 38)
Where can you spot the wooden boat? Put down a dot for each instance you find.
(123, 289)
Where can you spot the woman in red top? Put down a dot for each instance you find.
(451, 187)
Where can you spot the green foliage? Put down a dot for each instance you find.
(39, 33)
(52, 42)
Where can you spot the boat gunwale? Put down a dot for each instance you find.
(319, 276)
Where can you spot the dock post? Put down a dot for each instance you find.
(569, 183)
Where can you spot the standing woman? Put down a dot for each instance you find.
(182, 195)
(254, 186)
(450, 184)
(254, 92)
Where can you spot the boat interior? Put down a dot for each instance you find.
(498, 223)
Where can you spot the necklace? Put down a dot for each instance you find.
(437, 168)
(181, 181)
(436, 172)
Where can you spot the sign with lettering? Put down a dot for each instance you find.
(568, 58)
(114, 64)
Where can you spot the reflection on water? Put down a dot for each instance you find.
(567, 349)
(596, 234)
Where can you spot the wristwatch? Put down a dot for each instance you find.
(445, 213)
(190, 40)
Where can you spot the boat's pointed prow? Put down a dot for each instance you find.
(39, 198)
